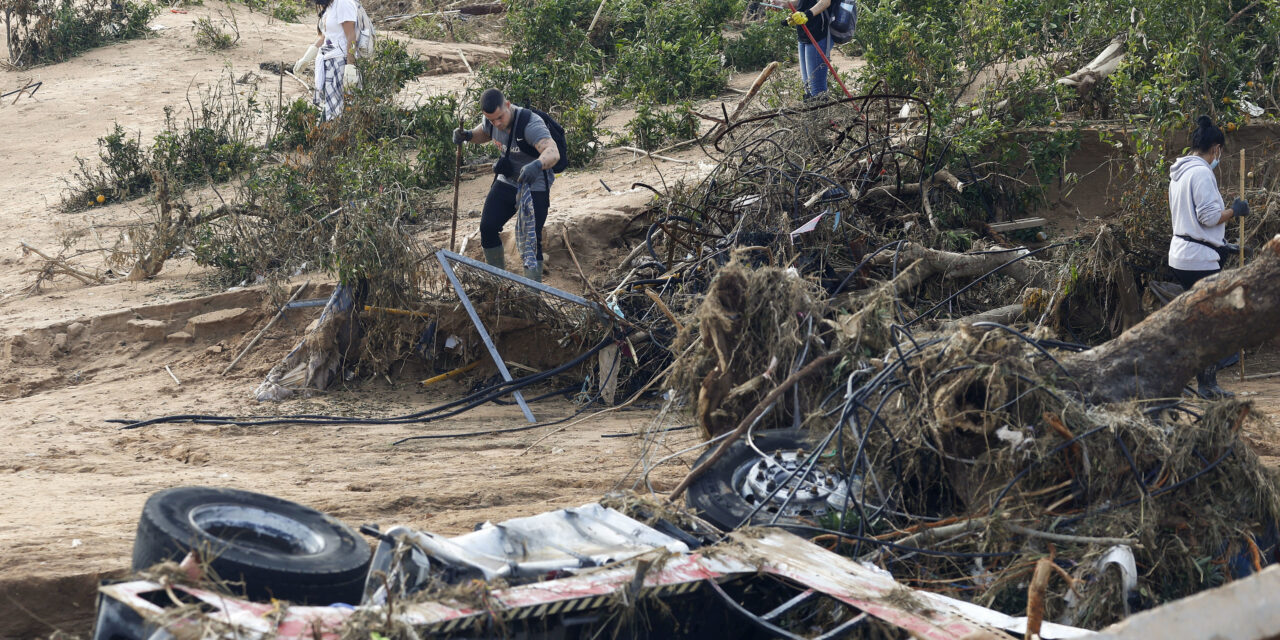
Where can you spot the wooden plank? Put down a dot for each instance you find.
(1025, 223)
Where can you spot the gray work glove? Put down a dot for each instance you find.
(529, 174)
(461, 135)
(1239, 207)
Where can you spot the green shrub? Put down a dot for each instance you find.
(212, 36)
(284, 10)
(666, 51)
(668, 71)
(550, 30)
(582, 134)
(760, 44)
(651, 126)
(120, 175)
(389, 70)
(431, 123)
(552, 86)
(213, 144)
(44, 31)
(441, 29)
(672, 57)
(290, 10)
(297, 124)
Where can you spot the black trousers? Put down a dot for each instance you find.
(500, 206)
(1189, 278)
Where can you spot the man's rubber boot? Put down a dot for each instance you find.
(1207, 385)
(535, 273)
(495, 257)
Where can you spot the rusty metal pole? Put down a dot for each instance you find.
(457, 172)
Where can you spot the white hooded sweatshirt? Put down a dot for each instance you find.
(1196, 207)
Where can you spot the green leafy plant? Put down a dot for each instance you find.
(671, 57)
(759, 44)
(582, 134)
(653, 126)
(551, 30)
(213, 143)
(390, 69)
(298, 123)
(212, 36)
(284, 10)
(120, 175)
(550, 86)
(43, 31)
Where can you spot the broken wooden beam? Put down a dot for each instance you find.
(717, 130)
(1024, 223)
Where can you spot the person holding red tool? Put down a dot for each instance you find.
(815, 45)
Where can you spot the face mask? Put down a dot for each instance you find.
(1214, 164)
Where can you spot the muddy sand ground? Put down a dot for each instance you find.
(74, 356)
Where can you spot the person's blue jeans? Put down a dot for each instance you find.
(813, 71)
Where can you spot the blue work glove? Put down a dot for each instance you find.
(461, 135)
(530, 172)
(1240, 208)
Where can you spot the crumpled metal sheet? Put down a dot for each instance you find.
(655, 573)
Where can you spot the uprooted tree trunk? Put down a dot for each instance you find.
(1220, 315)
(170, 230)
(318, 358)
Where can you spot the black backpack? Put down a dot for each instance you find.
(557, 134)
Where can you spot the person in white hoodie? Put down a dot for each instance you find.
(336, 70)
(1200, 222)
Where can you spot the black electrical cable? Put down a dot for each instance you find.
(584, 407)
(550, 394)
(1210, 466)
(1024, 338)
(1035, 463)
(467, 403)
(490, 432)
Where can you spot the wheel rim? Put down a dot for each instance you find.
(256, 529)
(815, 494)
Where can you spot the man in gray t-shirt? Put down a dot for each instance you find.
(515, 167)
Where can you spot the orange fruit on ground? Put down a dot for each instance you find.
(101, 198)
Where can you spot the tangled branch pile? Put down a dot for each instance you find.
(967, 448)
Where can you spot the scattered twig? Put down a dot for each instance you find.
(673, 147)
(300, 80)
(253, 342)
(662, 306)
(1070, 539)
(651, 154)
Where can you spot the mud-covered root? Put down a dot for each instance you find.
(318, 358)
(750, 329)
